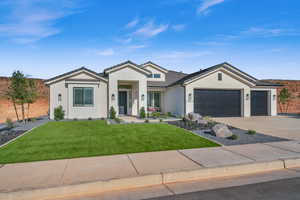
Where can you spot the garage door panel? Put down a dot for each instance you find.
(217, 103)
(259, 103)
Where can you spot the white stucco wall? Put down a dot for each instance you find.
(98, 110)
(211, 82)
(139, 89)
(174, 100)
(155, 71)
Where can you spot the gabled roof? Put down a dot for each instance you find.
(228, 67)
(158, 67)
(171, 77)
(74, 72)
(124, 64)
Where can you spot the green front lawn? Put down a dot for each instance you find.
(58, 140)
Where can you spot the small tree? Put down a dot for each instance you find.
(284, 99)
(59, 113)
(31, 94)
(142, 113)
(112, 113)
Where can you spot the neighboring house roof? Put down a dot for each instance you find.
(228, 67)
(158, 67)
(171, 77)
(66, 75)
(124, 64)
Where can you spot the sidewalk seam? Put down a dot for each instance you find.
(269, 145)
(190, 158)
(132, 164)
(169, 189)
(225, 149)
(64, 171)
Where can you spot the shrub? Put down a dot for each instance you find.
(147, 121)
(169, 114)
(118, 120)
(9, 123)
(160, 120)
(233, 137)
(156, 114)
(251, 132)
(142, 113)
(90, 118)
(75, 119)
(59, 113)
(112, 113)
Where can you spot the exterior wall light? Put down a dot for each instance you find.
(113, 97)
(274, 97)
(247, 96)
(190, 97)
(143, 97)
(59, 97)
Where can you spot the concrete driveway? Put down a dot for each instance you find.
(279, 126)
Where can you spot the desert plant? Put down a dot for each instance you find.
(251, 132)
(59, 113)
(112, 113)
(233, 137)
(9, 123)
(142, 113)
(284, 98)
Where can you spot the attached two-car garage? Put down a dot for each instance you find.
(228, 103)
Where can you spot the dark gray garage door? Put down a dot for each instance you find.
(217, 103)
(259, 103)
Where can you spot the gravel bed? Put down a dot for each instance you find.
(20, 128)
(243, 137)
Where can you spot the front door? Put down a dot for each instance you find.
(122, 102)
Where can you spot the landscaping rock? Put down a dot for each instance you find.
(202, 122)
(222, 131)
(194, 117)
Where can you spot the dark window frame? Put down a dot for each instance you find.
(83, 104)
(156, 76)
(220, 76)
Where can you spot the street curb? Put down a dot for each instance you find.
(146, 180)
(292, 163)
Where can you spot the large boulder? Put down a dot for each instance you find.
(194, 117)
(221, 130)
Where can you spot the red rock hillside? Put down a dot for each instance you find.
(294, 87)
(40, 107)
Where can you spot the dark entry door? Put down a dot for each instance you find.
(259, 103)
(122, 102)
(217, 103)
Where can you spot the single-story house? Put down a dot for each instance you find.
(220, 90)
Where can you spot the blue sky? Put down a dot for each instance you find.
(44, 38)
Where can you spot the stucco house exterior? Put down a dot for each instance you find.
(220, 90)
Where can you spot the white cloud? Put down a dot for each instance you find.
(32, 20)
(132, 23)
(137, 46)
(184, 54)
(125, 40)
(178, 27)
(106, 52)
(150, 29)
(206, 4)
(265, 31)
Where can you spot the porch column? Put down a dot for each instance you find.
(113, 95)
(142, 92)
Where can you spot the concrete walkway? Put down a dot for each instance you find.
(45, 174)
(279, 126)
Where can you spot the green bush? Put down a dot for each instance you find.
(59, 113)
(169, 114)
(251, 132)
(156, 114)
(118, 120)
(233, 137)
(160, 120)
(90, 118)
(112, 113)
(142, 113)
(9, 123)
(147, 121)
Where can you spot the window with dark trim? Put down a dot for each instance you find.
(83, 96)
(153, 99)
(220, 76)
(150, 76)
(156, 76)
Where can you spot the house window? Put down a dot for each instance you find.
(156, 75)
(220, 76)
(83, 96)
(150, 76)
(154, 100)
(59, 97)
